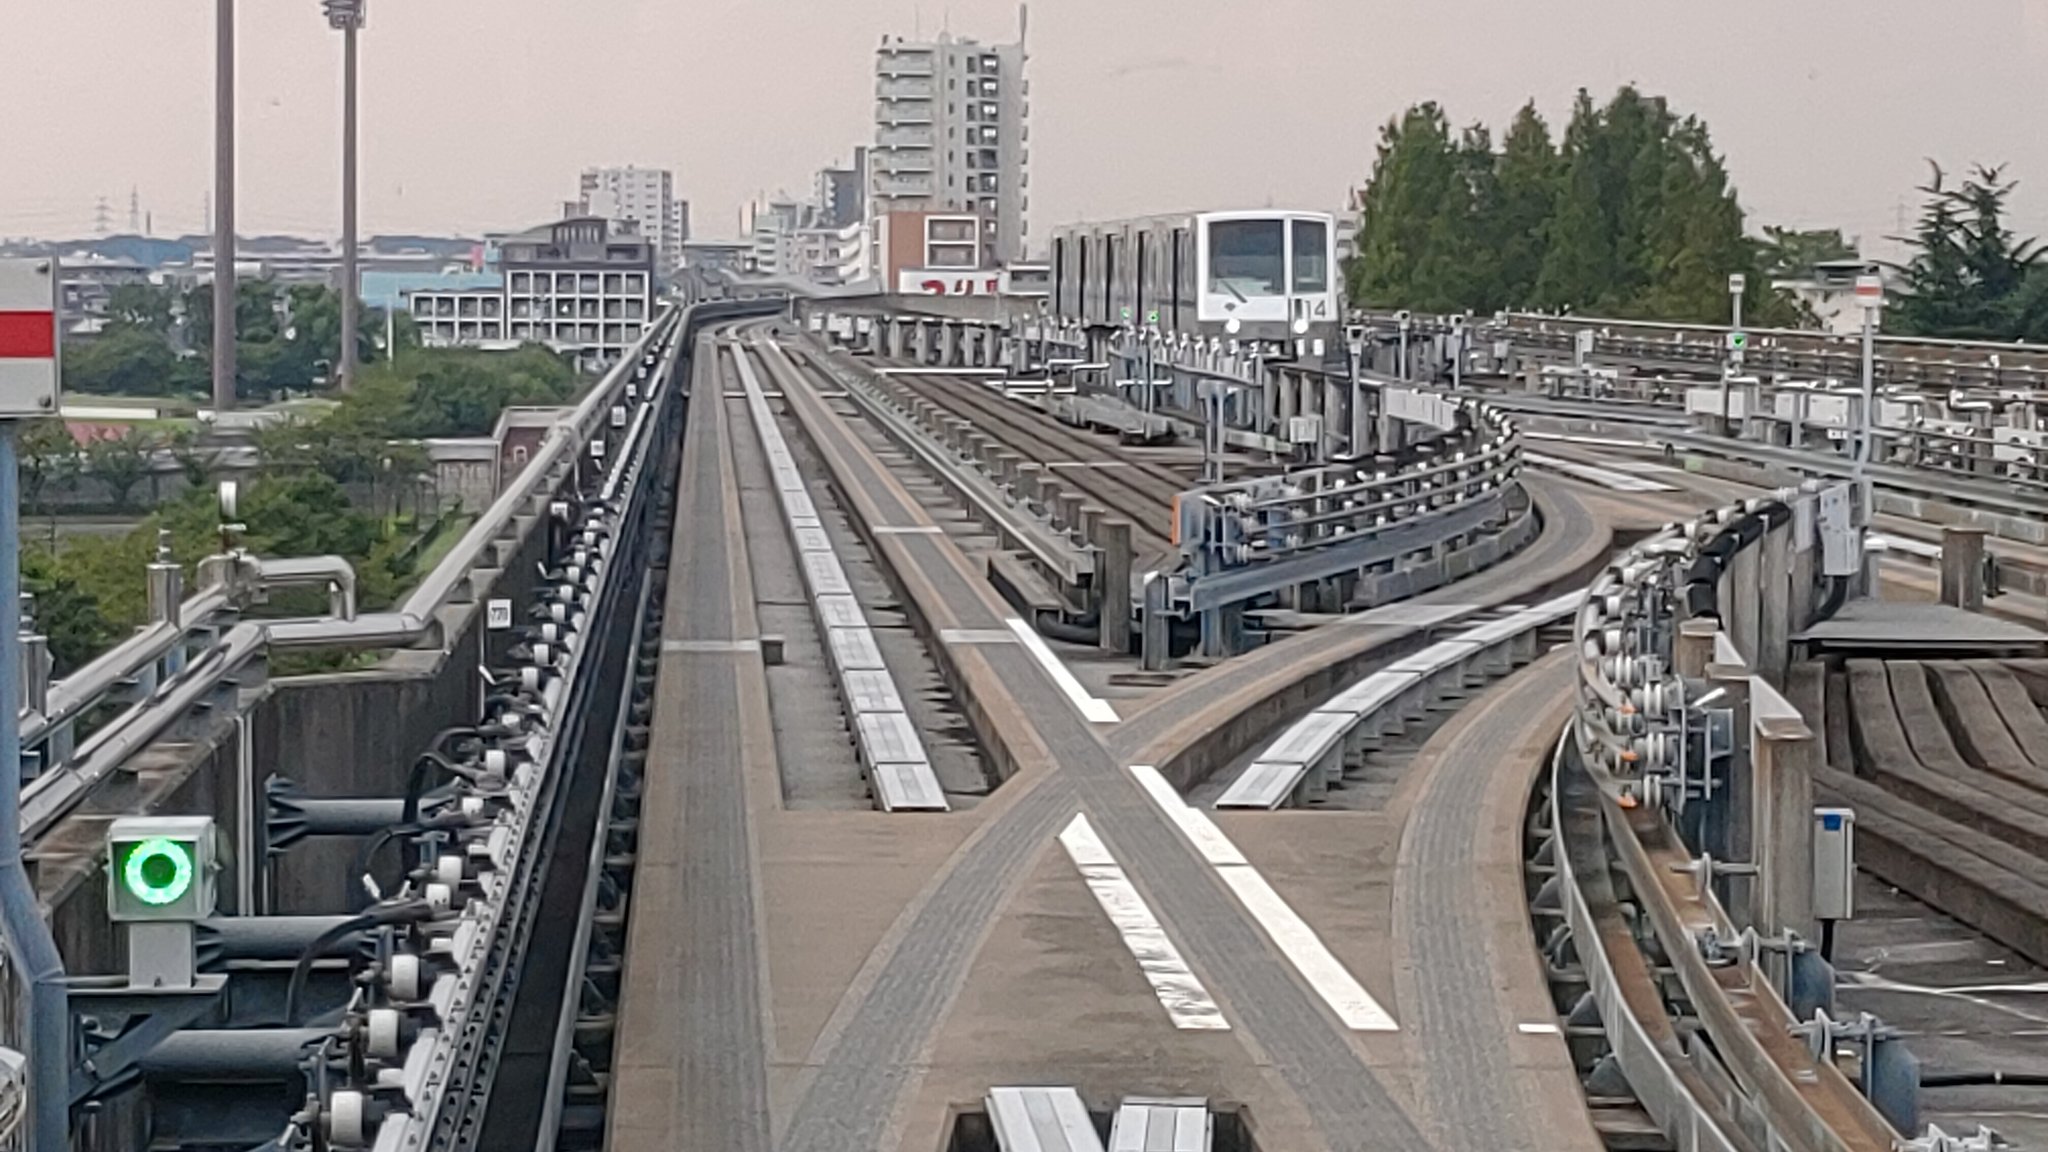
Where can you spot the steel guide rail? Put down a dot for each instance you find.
(891, 751)
(448, 1073)
(1900, 359)
(1240, 541)
(1622, 736)
(443, 1082)
(1478, 451)
(1309, 755)
(1252, 537)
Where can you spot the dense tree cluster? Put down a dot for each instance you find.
(158, 342)
(1970, 276)
(308, 496)
(1630, 215)
(90, 590)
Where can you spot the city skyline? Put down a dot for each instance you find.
(1827, 114)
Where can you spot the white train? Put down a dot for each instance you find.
(1261, 275)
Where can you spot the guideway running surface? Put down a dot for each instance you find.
(1492, 1071)
(692, 1049)
(888, 1022)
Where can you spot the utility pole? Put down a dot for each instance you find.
(224, 206)
(347, 17)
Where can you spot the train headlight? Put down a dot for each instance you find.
(1233, 325)
(1301, 325)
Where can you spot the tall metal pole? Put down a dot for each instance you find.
(351, 283)
(1863, 417)
(1736, 283)
(38, 969)
(224, 206)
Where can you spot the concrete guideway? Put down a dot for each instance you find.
(896, 976)
(1194, 727)
(693, 1039)
(1493, 1072)
(865, 1066)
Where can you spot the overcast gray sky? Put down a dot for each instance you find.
(479, 113)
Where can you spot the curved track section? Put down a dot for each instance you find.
(1493, 1070)
(1622, 738)
(1140, 490)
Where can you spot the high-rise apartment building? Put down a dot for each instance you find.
(645, 196)
(952, 134)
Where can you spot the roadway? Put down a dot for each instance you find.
(828, 978)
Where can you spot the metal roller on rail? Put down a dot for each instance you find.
(1735, 1049)
(433, 1017)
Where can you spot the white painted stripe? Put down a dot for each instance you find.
(1180, 992)
(1094, 708)
(1543, 1028)
(1599, 441)
(909, 530)
(1419, 615)
(1208, 839)
(1298, 942)
(1307, 952)
(977, 636)
(1606, 478)
(710, 645)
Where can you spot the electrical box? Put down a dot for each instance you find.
(1834, 863)
(161, 868)
(1841, 553)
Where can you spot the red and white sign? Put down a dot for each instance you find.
(1870, 291)
(28, 337)
(947, 282)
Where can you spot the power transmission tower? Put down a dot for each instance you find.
(134, 211)
(102, 217)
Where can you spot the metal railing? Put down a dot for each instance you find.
(1900, 359)
(182, 658)
(1243, 538)
(1626, 770)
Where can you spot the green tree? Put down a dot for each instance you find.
(1402, 201)
(1793, 254)
(122, 361)
(146, 307)
(122, 462)
(66, 610)
(1525, 197)
(1970, 276)
(196, 459)
(1579, 264)
(47, 452)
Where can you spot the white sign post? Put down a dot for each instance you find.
(1870, 295)
(497, 618)
(28, 338)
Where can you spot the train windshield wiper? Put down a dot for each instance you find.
(1232, 289)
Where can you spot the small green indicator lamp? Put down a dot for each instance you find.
(158, 871)
(161, 869)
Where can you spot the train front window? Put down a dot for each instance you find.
(1311, 256)
(1248, 257)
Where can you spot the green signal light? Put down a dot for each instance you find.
(158, 871)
